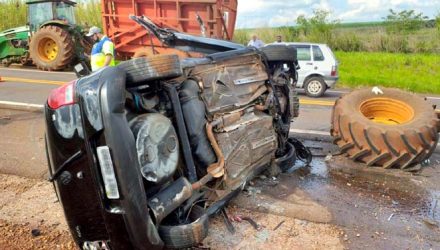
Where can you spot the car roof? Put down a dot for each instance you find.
(298, 43)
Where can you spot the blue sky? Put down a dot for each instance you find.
(264, 13)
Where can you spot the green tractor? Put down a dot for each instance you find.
(52, 40)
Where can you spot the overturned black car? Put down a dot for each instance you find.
(142, 154)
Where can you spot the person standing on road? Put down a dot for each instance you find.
(279, 39)
(103, 51)
(255, 42)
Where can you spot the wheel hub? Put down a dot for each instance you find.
(314, 87)
(387, 111)
(47, 49)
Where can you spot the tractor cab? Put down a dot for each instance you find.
(41, 12)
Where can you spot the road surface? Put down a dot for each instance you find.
(333, 204)
(33, 86)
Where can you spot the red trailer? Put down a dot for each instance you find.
(210, 18)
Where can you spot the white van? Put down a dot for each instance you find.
(318, 67)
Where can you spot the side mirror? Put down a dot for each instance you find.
(81, 69)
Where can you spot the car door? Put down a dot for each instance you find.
(305, 62)
(320, 64)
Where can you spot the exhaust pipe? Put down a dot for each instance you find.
(169, 199)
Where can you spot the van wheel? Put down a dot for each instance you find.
(315, 87)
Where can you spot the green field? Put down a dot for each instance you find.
(13, 13)
(413, 72)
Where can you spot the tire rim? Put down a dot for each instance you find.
(314, 87)
(387, 111)
(47, 49)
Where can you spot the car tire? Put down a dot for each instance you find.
(143, 69)
(288, 160)
(187, 235)
(315, 87)
(280, 53)
(394, 129)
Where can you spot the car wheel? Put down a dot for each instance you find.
(186, 235)
(315, 87)
(280, 53)
(142, 69)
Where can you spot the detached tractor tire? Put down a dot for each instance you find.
(395, 129)
(51, 48)
(280, 52)
(142, 69)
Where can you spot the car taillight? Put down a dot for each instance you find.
(334, 71)
(64, 95)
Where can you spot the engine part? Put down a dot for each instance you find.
(181, 129)
(389, 128)
(194, 112)
(186, 235)
(232, 81)
(157, 146)
(247, 144)
(170, 198)
(216, 169)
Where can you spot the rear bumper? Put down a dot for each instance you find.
(124, 223)
(331, 81)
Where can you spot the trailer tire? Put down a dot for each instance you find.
(395, 129)
(151, 68)
(188, 235)
(51, 48)
(280, 53)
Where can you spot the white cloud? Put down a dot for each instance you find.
(250, 6)
(258, 13)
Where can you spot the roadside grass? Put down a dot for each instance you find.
(88, 13)
(414, 72)
(13, 14)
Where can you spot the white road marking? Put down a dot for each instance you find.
(311, 132)
(21, 106)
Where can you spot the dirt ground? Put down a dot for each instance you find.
(30, 215)
(333, 204)
(29, 205)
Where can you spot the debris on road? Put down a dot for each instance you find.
(279, 225)
(35, 232)
(391, 216)
(239, 218)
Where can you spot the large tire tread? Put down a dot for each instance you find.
(66, 48)
(397, 146)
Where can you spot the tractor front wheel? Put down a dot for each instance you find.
(51, 48)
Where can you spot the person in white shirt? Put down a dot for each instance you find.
(255, 42)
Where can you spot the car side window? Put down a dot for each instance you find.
(303, 53)
(317, 54)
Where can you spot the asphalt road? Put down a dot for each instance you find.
(33, 86)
